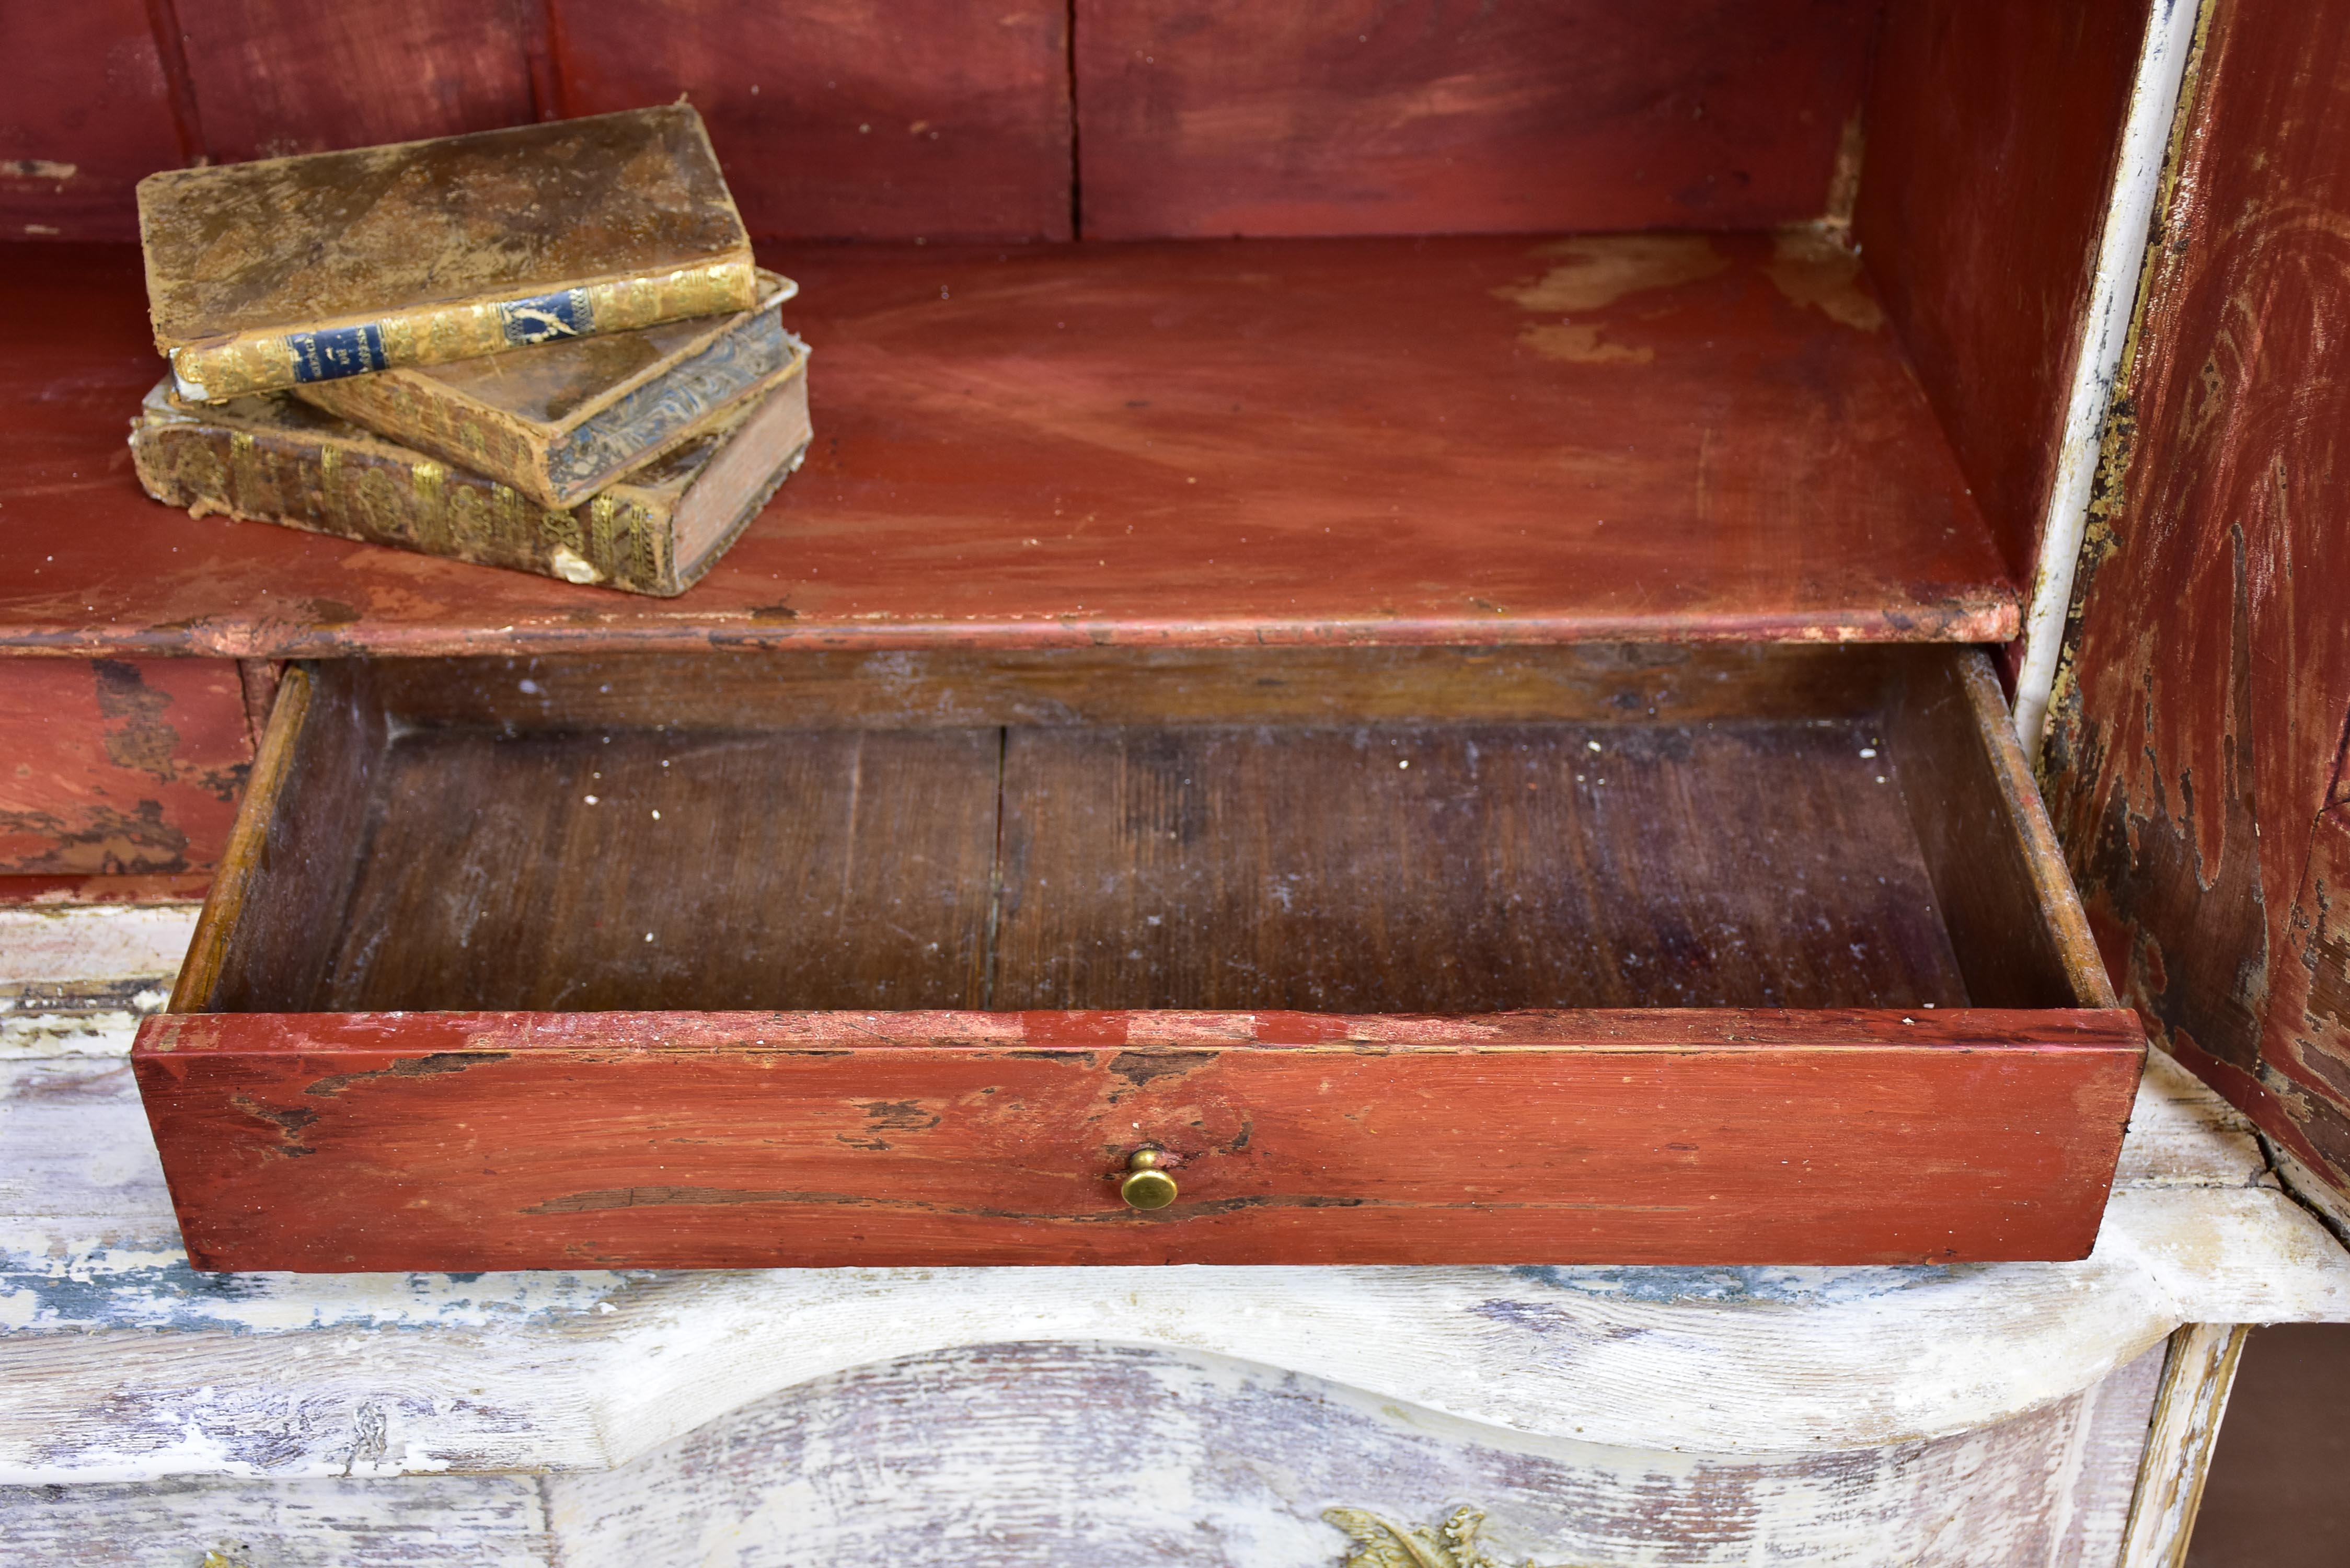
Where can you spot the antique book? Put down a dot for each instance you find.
(274, 458)
(562, 421)
(269, 275)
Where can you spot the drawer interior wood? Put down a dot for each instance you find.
(1696, 828)
(1689, 954)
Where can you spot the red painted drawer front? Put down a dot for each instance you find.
(116, 767)
(393, 1141)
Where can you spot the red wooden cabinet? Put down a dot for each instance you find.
(1371, 613)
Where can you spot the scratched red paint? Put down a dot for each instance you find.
(118, 768)
(340, 1142)
(2193, 770)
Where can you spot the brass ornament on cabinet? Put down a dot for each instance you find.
(1451, 1545)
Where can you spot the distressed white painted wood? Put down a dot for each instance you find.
(77, 979)
(2191, 1399)
(1088, 1454)
(122, 1364)
(2105, 333)
(1601, 1416)
(1053, 1454)
(265, 1374)
(447, 1521)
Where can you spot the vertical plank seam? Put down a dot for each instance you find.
(539, 58)
(1076, 172)
(2149, 146)
(550, 1544)
(994, 876)
(179, 83)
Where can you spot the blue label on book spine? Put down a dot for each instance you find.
(548, 317)
(335, 352)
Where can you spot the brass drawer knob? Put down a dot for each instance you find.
(1146, 1186)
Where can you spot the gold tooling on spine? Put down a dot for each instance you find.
(436, 334)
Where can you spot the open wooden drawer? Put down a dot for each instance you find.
(1643, 954)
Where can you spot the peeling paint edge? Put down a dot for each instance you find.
(2173, 30)
(2308, 1188)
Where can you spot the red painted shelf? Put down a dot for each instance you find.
(1455, 439)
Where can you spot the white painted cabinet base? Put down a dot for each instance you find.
(2007, 1414)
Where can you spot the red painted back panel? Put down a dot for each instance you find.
(86, 114)
(844, 120)
(276, 76)
(1237, 116)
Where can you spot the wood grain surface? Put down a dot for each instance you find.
(1986, 840)
(1979, 113)
(87, 114)
(843, 120)
(116, 767)
(788, 830)
(276, 76)
(456, 1140)
(734, 689)
(1464, 869)
(828, 869)
(1438, 117)
(1441, 440)
(1065, 1455)
(2196, 757)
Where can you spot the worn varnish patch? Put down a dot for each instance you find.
(118, 768)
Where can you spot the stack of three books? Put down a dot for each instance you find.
(545, 349)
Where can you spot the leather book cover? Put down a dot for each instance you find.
(274, 458)
(562, 421)
(292, 270)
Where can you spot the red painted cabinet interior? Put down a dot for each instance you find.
(1269, 461)
(1546, 326)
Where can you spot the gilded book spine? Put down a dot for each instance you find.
(435, 334)
(383, 494)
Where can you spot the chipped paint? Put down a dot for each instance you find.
(2197, 719)
(1816, 267)
(119, 766)
(1596, 271)
(51, 1282)
(2148, 160)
